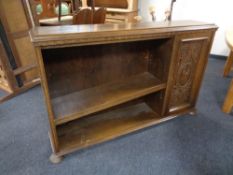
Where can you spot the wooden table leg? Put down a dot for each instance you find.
(228, 65)
(228, 103)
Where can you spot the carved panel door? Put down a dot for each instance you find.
(186, 73)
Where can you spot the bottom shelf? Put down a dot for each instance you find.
(105, 126)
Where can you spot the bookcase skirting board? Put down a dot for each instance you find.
(104, 81)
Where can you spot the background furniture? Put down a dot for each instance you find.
(118, 11)
(90, 16)
(48, 8)
(53, 8)
(50, 12)
(228, 103)
(229, 62)
(105, 81)
(65, 20)
(78, 15)
(17, 55)
(5, 75)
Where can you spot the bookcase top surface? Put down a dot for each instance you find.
(42, 36)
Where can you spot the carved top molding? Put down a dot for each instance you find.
(63, 35)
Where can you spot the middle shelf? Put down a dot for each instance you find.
(88, 101)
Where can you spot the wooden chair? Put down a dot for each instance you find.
(229, 62)
(90, 16)
(18, 66)
(228, 103)
(99, 16)
(84, 16)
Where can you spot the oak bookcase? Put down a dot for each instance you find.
(104, 81)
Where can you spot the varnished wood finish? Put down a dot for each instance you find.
(5, 75)
(98, 128)
(15, 24)
(109, 3)
(101, 66)
(84, 16)
(59, 36)
(228, 65)
(24, 69)
(8, 77)
(89, 16)
(191, 53)
(228, 103)
(27, 85)
(104, 81)
(229, 62)
(99, 16)
(53, 133)
(91, 100)
(30, 8)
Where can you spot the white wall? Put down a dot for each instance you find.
(214, 11)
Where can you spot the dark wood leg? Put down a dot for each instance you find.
(228, 103)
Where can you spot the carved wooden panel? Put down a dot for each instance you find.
(5, 84)
(186, 66)
(3, 79)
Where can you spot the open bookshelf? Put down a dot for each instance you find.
(88, 80)
(91, 100)
(105, 126)
(97, 89)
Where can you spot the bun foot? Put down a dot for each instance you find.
(55, 159)
(193, 113)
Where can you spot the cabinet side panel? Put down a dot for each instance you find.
(44, 83)
(189, 65)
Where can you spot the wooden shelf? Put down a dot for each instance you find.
(88, 101)
(105, 126)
